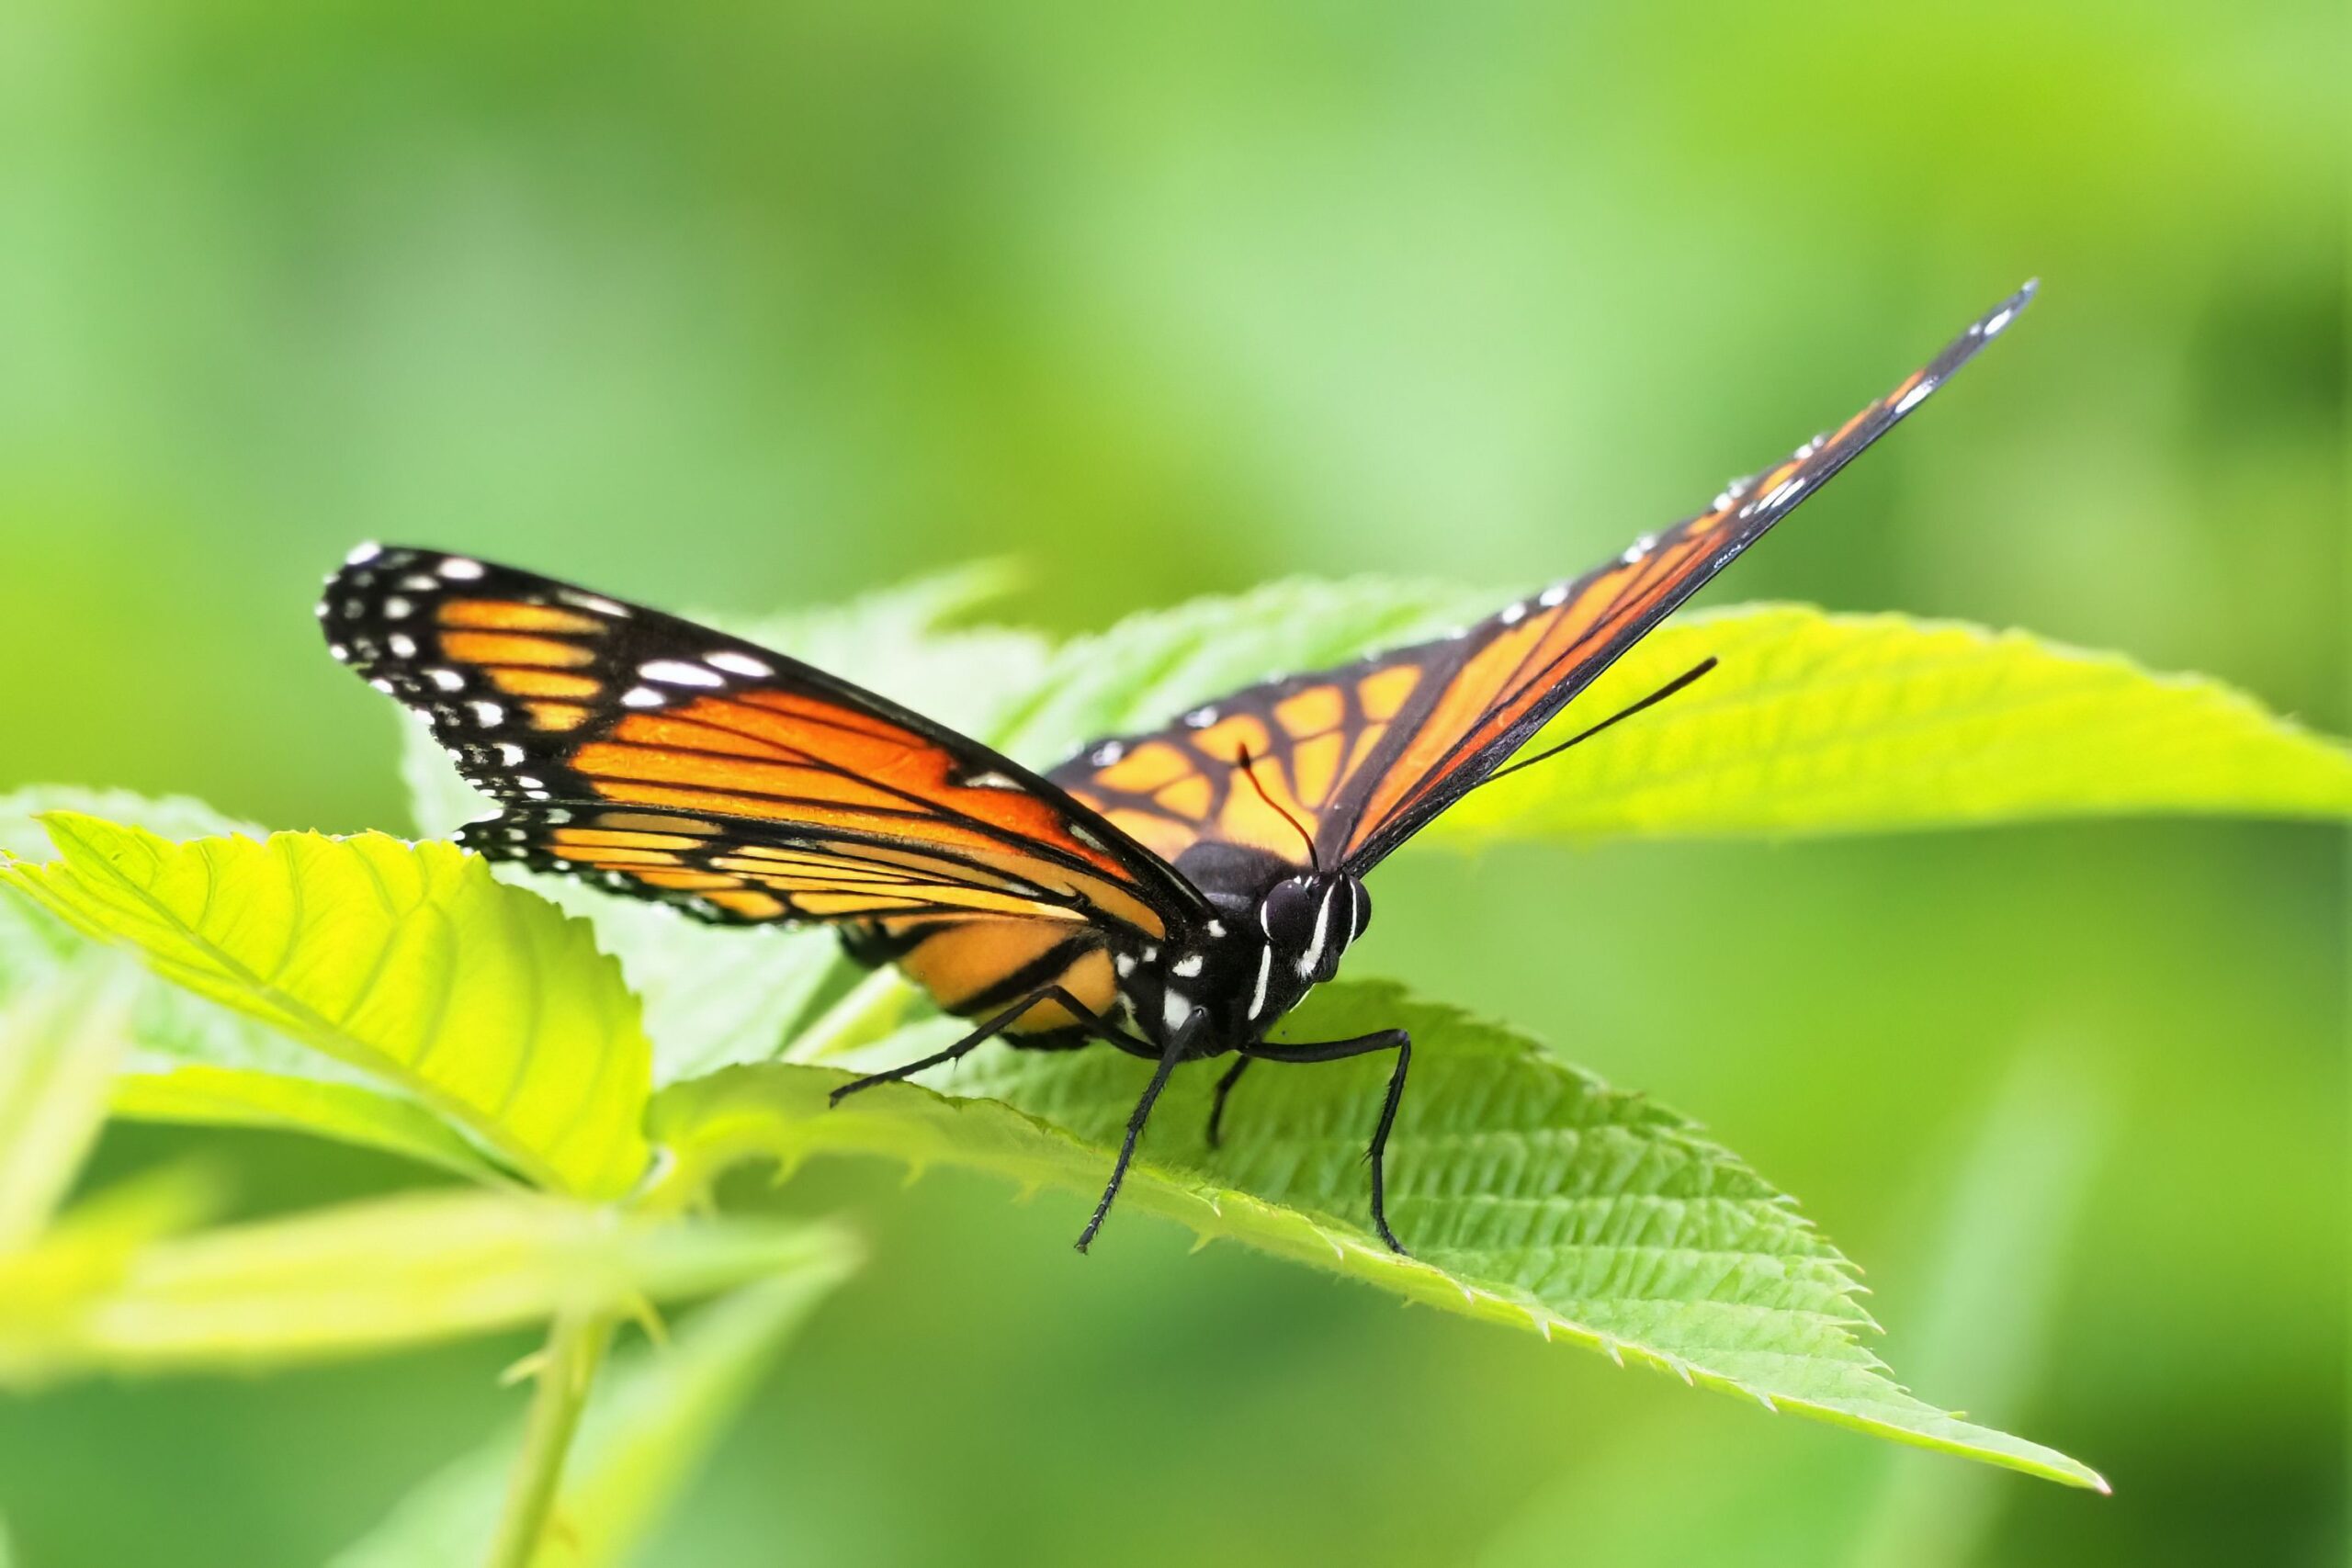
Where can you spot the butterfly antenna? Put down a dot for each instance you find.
(1625, 712)
(1249, 771)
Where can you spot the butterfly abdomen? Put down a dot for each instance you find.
(977, 968)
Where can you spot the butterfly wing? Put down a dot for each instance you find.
(1362, 758)
(670, 761)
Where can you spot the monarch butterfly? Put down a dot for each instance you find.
(1171, 894)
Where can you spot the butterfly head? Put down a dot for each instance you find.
(1308, 921)
(1246, 974)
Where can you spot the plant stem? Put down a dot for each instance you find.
(872, 1004)
(575, 1349)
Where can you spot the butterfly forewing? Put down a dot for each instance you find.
(1366, 756)
(672, 762)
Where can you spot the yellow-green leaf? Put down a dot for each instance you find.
(1817, 723)
(377, 1275)
(187, 1060)
(58, 1043)
(406, 961)
(242, 1097)
(48, 1289)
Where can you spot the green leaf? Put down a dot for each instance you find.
(406, 962)
(653, 1420)
(1535, 1197)
(1818, 723)
(367, 1276)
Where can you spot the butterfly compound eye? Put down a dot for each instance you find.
(1310, 920)
(1289, 913)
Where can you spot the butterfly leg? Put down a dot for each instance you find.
(1168, 1060)
(1216, 1106)
(989, 1031)
(1395, 1040)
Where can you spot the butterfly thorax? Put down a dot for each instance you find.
(1246, 968)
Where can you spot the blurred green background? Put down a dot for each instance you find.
(747, 307)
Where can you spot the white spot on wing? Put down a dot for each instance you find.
(364, 553)
(642, 697)
(447, 679)
(2000, 318)
(738, 664)
(678, 673)
(1552, 598)
(457, 568)
(404, 646)
(509, 753)
(1915, 396)
(489, 712)
(397, 608)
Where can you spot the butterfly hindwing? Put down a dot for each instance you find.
(1363, 757)
(668, 760)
